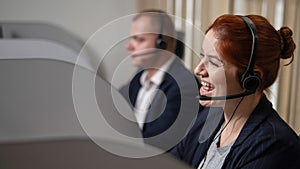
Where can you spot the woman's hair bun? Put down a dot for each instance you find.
(287, 43)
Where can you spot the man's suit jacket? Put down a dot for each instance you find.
(265, 142)
(173, 108)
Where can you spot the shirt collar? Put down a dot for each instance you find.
(157, 78)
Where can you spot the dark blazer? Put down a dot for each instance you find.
(174, 105)
(265, 142)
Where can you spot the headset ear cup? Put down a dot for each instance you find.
(161, 44)
(251, 82)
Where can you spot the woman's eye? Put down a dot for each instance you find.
(215, 62)
(212, 60)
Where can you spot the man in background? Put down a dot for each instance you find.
(163, 91)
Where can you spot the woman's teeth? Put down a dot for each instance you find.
(207, 86)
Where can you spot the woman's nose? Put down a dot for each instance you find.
(200, 68)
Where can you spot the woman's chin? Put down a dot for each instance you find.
(205, 103)
(212, 103)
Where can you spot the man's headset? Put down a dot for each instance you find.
(250, 80)
(160, 42)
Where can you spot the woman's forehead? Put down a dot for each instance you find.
(209, 43)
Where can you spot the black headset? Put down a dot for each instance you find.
(251, 80)
(160, 42)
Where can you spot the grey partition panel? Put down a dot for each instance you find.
(40, 40)
(36, 100)
(39, 127)
(76, 154)
(41, 49)
(19, 30)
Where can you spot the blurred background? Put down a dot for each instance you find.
(74, 23)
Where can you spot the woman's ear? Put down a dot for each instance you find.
(259, 72)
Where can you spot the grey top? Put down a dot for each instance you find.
(215, 155)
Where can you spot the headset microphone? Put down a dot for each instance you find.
(148, 52)
(233, 96)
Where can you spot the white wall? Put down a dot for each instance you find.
(80, 17)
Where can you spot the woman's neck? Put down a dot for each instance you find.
(236, 115)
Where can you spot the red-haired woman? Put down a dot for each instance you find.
(241, 57)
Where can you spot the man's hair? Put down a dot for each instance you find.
(161, 21)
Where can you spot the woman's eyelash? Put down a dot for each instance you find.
(210, 60)
(213, 63)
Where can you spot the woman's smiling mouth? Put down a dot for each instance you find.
(206, 88)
